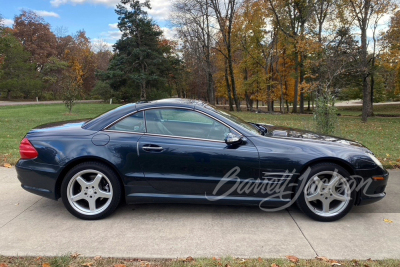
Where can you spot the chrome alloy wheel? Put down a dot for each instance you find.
(89, 192)
(327, 193)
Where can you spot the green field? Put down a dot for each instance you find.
(16, 121)
(379, 110)
(380, 134)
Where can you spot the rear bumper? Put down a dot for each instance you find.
(40, 179)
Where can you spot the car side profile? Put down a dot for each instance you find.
(187, 151)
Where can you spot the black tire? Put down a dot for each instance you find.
(311, 207)
(108, 180)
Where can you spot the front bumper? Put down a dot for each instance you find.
(370, 190)
(40, 179)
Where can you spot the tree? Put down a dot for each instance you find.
(53, 73)
(390, 58)
(79, 54)
(17, 74)
(225, 11)
(139, 64)
(36, 37)
(72, 85)
(291, 17)
(363, 12)
(193, 20)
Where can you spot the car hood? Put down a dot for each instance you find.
(298, 134)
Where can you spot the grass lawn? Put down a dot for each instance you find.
(190, 262)
(381, 135)
(16, 121)
(379, 110)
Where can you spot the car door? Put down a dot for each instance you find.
(124, 136)
(183, 152)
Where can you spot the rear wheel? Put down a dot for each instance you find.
(328, 194)
(91, 191)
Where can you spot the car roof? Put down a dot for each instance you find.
(107, 118)
(175, 102)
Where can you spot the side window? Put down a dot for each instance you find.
(185, 123)
(133, 123)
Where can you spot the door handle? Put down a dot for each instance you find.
(152, 148)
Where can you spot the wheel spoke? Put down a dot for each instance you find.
(339, 197)
(335, 180)
(104, 194)
(321, 186)
(92, 204)
(318, 181)
(82, 182)
(313, 197)
(77, 197)
(97, 180)
(325, 205)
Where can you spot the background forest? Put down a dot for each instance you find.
(285, 54)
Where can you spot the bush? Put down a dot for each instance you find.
(325, 113)
(103, 91)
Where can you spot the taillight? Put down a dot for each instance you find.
(26, 150)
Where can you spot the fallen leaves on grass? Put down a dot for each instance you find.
(145, 263)
(387, 221)
(275, 265)
(3, 265)
(325, 259)
(189, 259)
(97, 258)
(88, 264)
(46, 265)
(75, 255)
(7, 165)
(119, 265)
(293, 259)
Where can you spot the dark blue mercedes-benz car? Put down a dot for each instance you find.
(181, 150)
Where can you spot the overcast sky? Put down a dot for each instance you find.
(96, 17)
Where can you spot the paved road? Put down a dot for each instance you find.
(14, 103)
(356, 103)
(31, 225)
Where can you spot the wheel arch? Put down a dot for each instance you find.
(80, 160)
(346, 165)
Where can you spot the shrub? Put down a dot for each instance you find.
(325, 113)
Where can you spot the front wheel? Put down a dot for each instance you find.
(91, 191)
(328, 194)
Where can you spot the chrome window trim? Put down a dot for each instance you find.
(169, 136)
(173, 136)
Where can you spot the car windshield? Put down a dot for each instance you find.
(248, 126)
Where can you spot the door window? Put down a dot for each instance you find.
(185, 123)
(133, 123)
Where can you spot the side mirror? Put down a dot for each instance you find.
(232, 139)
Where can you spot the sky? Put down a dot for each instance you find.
(96, 17)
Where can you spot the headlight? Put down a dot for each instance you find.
(376, 161)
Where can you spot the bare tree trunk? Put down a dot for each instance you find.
(232, 75)
(210, 84)
(365, 71)
(228, 87)
(296, 85)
